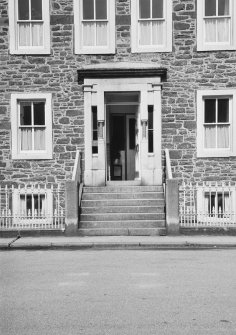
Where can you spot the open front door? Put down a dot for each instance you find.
(122, 146)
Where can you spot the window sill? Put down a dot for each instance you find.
(147, 49)
(32, 156)
(94, 51)
(216, 47)
(215, 153)
(29, 51)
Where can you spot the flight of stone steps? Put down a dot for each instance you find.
(122, 210)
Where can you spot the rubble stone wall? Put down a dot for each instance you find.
(187, 71)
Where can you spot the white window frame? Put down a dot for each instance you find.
(13, 30)
(216, 152)
(167, 45)
(31, 154)
(208, 46)
(79, 48)
(203, 215)
(19, 218)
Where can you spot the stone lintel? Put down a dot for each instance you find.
(121, 70)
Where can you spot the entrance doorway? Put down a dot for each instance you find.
(122, 135)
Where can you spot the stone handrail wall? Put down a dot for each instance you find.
(168, 165)
(74, 189)
(172, 199)
(77, 173)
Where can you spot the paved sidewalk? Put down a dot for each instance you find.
(120, 242)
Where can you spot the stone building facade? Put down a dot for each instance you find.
(188, 69)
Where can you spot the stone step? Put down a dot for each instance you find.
(123, 202)
(121, 189)
(123, 183)
(122, 216)
(105, 196)
(122, 224)
(122, 232)
(122, 209)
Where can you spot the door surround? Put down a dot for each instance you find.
(149, 89)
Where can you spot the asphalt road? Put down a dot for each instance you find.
(118, 292)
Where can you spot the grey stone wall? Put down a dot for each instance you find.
(188, 70)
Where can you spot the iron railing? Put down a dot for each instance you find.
(208, 204)
(32, 207)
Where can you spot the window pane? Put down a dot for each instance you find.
(150, 117)
(101, 9)
(157, 32)
(29, 204)
(223, 110)
(89, 33)
(24, 34)
(39, 113)
(101, 33)
(36, 9)
(22, 205)
(26, 139)
(94, 116)
(95, 130)
(39, 199)
(39, 139)
(95, 135)
(223, 137)
(212, 204)
(210, 7)
(210, 110)
(150, 128)
(88, 9)
(209, 200)
(210, 137)
(94, 150)
(25, 114)
(144, 9)
(210, 30)
(145, 33)
(157, 9)
(23, 9)
(150, 141)
(223, 7)
(223, 30)
(219, 203)
(226, 203)
(37, 34)
(131, 134)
